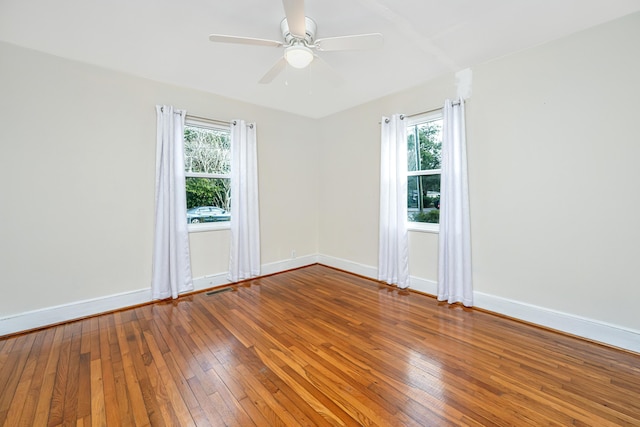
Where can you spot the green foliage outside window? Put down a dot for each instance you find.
(207, 151)
(432, 216)
(208, 192)
(428, 154)
(424, 153)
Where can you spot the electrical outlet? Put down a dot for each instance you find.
(293, 254)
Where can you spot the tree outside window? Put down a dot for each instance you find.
(424, 153)
(207, 164)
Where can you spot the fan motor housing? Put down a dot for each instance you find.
(310, 32)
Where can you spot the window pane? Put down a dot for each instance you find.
(412, 194)
(426, 154)
(208, 199)
(207, 150)
(423, 198)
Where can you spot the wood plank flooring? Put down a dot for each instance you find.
(312, 347)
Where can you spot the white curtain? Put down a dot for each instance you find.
(244, 259)
(454, 268)
(393, 256)
(171, 273)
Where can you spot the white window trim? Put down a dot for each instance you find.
(206, 175)
(424, 227)
(425, 172)
(210, 226)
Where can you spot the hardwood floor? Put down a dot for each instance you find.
(311, 347)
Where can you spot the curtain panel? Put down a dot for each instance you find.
(244, 256)
(171, 271)
(393, 255)
(454, 264)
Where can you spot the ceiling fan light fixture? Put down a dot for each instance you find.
(298, 56)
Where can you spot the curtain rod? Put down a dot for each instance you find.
(206, 119)
(217, 122)
(403, 116)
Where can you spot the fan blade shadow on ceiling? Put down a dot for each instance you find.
(327, 71)
(274, 71)
(318, 66)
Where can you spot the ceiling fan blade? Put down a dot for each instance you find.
(221, 38)
(274, 71)
(361, 41)
(294, 11)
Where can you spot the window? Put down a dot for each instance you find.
(207, 165)
(424, 147)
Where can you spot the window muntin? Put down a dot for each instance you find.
(207, 165)
(424, 154)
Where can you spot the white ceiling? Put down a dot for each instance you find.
(167, 41)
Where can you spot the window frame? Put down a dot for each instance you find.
(426, 227)
(207, 124)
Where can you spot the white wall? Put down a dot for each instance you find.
(554, 170)
(77, 171)
(553, 147)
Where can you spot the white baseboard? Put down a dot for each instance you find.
(423, 285)
(350, 266)
(76, 310)
(210, 281)
(220, 279)
(288, 264)
(595, 330)
(590, 329)
(416, 283)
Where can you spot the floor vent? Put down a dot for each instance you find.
(217, 291)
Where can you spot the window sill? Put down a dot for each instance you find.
(423, 227)
(212, 226)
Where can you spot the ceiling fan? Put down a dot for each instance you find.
(299, 42)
